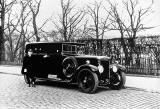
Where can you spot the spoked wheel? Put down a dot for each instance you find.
(88, 81)
(117, 81)
(69, 67)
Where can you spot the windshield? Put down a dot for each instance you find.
(80, 50)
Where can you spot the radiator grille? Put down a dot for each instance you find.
(105, 64)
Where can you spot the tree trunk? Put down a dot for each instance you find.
(2, 50)
(127, 59)
(65, 35)
(12, 57)
(23, 45)
(35, 29)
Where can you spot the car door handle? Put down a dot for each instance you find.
(46, 56)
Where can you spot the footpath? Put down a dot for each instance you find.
(146, 83)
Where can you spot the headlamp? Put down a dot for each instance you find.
(114, 69)
(100, 68)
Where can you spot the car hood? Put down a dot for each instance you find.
(118, 66)
(93, 57)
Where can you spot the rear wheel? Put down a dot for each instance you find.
(88, 81)
(117, 81)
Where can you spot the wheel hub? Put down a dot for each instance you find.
(116, 79)
(85, 80)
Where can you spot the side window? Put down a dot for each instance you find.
(69, 49)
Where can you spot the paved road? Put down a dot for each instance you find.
(15, 94)
(146, 83)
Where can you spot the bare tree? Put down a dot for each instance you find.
(35, 6)
(136, 24)
(129, 24)
(51, 36)
(100, 24)
(116, 24)
(68, 20)
(5, 6)
(14, 40)
(11, 37)
(85, 32)
(24, 24)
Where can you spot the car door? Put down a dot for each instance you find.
(39, 66)
(53, 63)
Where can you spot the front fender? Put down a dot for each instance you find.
(93, 68)
(88, 66)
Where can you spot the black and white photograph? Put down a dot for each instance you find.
(79, 54)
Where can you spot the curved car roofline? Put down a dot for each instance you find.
(73, 43)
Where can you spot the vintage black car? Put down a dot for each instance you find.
(67, 62)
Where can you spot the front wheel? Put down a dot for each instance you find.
(117, 81)
(88, 81)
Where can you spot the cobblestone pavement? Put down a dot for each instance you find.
(15, 94)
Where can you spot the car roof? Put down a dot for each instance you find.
(55, 43)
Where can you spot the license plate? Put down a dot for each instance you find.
(52, 76)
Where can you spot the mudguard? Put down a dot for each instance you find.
(88, 66)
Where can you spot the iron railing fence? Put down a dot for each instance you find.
(145, 60)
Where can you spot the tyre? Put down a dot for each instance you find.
(69, 67)
(117, 81)
(88, 81)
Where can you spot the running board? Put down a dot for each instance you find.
(53, 79)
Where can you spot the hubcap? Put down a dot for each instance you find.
(116, 79)
(87, 81)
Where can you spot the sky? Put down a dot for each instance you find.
(52, 8)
